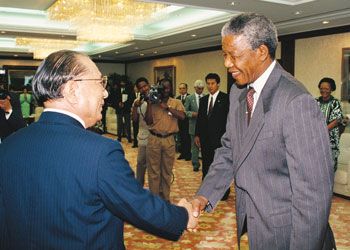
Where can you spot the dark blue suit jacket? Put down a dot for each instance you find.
(72, 189)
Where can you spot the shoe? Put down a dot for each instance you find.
(134, 146)
(187, 159)
(196, 169)
(129, 140)
(119, 139)
(180, 157)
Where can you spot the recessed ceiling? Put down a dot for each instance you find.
(190, 24)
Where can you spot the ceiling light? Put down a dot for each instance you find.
(141, 54)
(3, 32)
(232, 3)
(136, 47)
(104, 21)
(99, 56)
(116, 52)
(297, 13)
(41, 48)
(325, 22)
(161, 42)
(15, 55)
(155, 52)
(193, 35)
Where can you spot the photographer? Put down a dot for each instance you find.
(162, 115)
(10, 114)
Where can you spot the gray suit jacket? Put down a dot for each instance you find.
(190, 107)
(281, 166)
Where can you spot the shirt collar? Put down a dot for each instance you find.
(76, 117)
(259, 83)
(215, 94)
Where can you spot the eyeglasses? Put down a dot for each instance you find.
(103, 81)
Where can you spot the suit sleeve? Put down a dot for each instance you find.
(200, 119)
(16, 120)
(221, 174)
(4, 242)
(188, 110)
(311, 171)
(127, 200)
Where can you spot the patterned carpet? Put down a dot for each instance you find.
(216, 230)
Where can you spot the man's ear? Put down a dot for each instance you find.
(263, 51)
(70, 92)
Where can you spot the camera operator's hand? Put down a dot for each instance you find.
(137, 103)
(164, 105)
(6, 104)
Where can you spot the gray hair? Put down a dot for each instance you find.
(56, 70)
(199, 84)
(256, 28)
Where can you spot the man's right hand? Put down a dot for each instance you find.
(137, 103)
(197, 141)
(198, 205)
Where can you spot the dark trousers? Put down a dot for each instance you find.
(208, 153)
(135, 130)
(124, 122)
(185, 144)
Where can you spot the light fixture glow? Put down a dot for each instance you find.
(107, 20)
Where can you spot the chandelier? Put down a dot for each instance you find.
(104, 20)
(41, 48)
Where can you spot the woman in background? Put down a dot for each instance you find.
(25, 99)
(332, 111)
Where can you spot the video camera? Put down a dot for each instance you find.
(154, 95)
(4, 94)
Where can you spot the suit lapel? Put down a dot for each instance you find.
(250, 134)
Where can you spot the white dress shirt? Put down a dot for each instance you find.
(259, 83)
(214, 99)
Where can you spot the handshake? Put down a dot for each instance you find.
(193, 209)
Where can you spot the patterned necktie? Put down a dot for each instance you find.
(250, 103)
(210, 105)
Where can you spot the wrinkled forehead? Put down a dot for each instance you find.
(90, 67)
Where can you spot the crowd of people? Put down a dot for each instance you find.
(261, 138)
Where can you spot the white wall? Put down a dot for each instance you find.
(188, 68)
(320, 57)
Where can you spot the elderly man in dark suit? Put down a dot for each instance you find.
(71, 188)
(275, 149)
(211, 122)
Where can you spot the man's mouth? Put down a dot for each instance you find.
(235, 74)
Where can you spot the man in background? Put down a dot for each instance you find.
(71, 188)
(11, 118)
(136, 123)
(191, 107)
(276, 148)
(125, 97)
(185, 139)
(211, 123)
(162, 117)
(138, 116)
